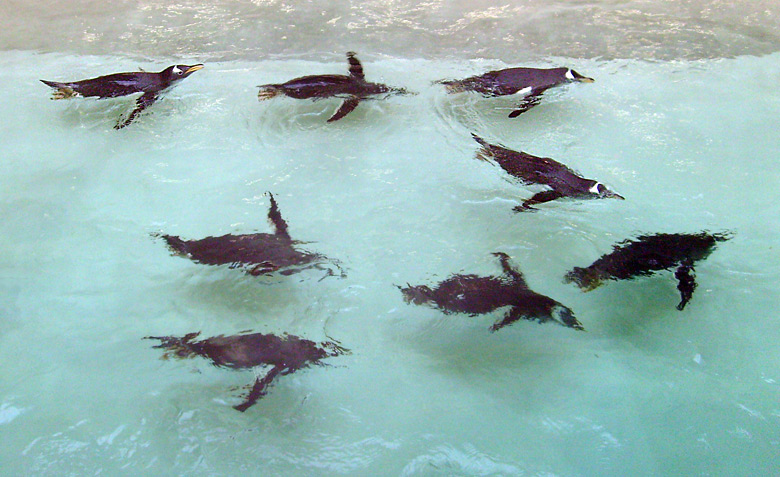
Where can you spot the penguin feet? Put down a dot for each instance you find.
(524, 208)
(267, 92)
(64, 93)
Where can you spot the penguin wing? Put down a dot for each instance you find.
(143, 102)
(355, 68)
(531, 100)
(259, 389)
(514, 314)
(275, 217)
(346, 107)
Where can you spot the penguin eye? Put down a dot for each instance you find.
(601, 188)
(177, 70)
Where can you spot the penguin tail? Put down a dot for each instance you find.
(176, 244)
(53, 84)
(483, 153)
(480, 140)
(268, 91)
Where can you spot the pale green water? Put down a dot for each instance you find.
(395, 193)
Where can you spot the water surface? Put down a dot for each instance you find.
(395, 193)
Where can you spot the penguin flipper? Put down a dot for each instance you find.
(355, 68)
(143, 102)
(346, 107)
(528, 102)
(687, 283)
(514, 273)
(259, 389)
(541, 197)
(275, 217)
(510, 317)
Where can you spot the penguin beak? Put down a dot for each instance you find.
(193, 69)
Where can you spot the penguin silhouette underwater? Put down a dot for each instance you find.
(285, 354)
(529, 83)
(530, 170)
(258, 254)
(353, 88)
(648, 254)
(477, 295)
(151, 85)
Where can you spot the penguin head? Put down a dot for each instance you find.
(600, 190)
(176, 73)
(563, 315)
(572, 75)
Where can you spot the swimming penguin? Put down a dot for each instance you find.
(286, 354)
(151, 85)
(258, 254)
(477, 295)
(648, 254)
(529, 83)
(562, 181)
(353, 88)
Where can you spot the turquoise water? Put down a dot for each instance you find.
(395, 193)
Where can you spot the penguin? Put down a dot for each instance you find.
(353, 88)
(258, 254)
(285, 354)
(562, 181)
(477, 295)
(529, 83)
(150, 85)
(648, 254)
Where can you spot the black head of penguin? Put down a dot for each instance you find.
(175, 73)
(601, 191)
(572, 75)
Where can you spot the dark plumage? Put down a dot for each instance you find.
(647, 255)
(529, 170)
(286, 354)
(477, 295)
(258, 254)
(353, 88)
(151, 85)
(528, 82)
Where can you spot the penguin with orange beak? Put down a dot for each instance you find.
(151, 85)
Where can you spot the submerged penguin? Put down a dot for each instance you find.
(477, 295)
(648, 254)
(286, 354)
(353, 88)
(151, 85)
(258, 254)
(530, 170)
(529, 83)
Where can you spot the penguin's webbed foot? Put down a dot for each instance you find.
(267, 92)
(64, 93)
(524, 208)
